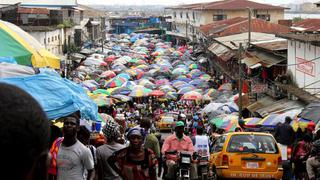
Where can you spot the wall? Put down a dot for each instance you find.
(307, 73)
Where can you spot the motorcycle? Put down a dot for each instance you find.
(183, 164)
(203, 167)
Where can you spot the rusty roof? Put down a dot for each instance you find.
(307, 25)
(228, 5)
(240, 25)
(313, 38)
(276, 45)
(22, 10)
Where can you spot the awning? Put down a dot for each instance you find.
(267, 59)
(267, 105)
(251, 62)
(221, 51)
(176, 34)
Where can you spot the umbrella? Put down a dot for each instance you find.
(133, 60)
(115, 82)
(162, 82)
(21, 48)
(122, 98)
(120, 61)
(226, 122)
(211, 92)
(193, 66)
(196, 82)
(225, 87)
(141, 62)
(186, 89)
(110, 58)
(124, 75)
(178, 84)
(140, 91)
(252, 121)
(280, 118)
(146, 83)
(311, 112)
(205, 77)
(185, 79)
(129, 84)
(157, 93)
(167, 88)
(267, 121)
(143, 67)
(192, 95)
(101, 91)
(121, 90)
(179, 71)
(102, 100)
(110, 74)
(105, 117)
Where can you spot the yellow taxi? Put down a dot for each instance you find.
(165, 123)
(246, 155)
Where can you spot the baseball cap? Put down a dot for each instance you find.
(179, 123)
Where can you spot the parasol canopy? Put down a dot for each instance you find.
(19, 47)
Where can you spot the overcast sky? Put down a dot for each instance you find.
(175, 2)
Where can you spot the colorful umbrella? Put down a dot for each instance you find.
(122, 98)
(162, 82)
(101, 91)
(193, 66)
(157, 93)
(178, 84)
(167, 88)
(186, 89)
(109, 74)
(115, 82)
(267, 121)
(146, 83)
(143, 67)
(110, 58)
(192, 95)
(121, 90)
(179, 71)
(133, 60)
(205, 77)
(17, 46)
(129, 84)
(252, 121)
(171, 95)
(102, 100)
(227, 122)
(211, 92)
(140, 91)
(124, 75)
(105, 117)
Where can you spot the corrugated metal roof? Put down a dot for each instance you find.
(221, 51)
(227, 5)
(22, 10)
(267, 105)
(267, 59)
(41, 2)
(233, 41)
(240, 25)
(313, 38)
(307, 25)
(273, 45)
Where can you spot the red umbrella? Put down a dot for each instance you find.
(110, 58)
(157, 93)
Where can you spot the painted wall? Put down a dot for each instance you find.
(304, 73)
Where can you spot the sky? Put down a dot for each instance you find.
(176, 2)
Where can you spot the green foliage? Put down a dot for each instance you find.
(297, 19)
(66, 24)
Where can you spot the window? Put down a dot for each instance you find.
(187, 15)
(48, 40)
(252, 143)
(44, 41)
(180, 14)
(193, 15)
(59, 36)
(55, 38)
(218, 144)
(174, 14)
(265, 17)
(52, 39)
(219, 17)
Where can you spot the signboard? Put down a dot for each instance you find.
(306, 67)
(259, 88)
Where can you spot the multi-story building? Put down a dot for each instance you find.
(187, 19)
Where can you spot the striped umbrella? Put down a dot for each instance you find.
(267, 121)
(227, 122)
(140, 91)
(192, 95)
(252, 121)
(121, 90)
(115, 82)
(102, 100)
(17, 46)
(101, 91)
(171, 95)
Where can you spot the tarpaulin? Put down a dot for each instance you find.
(57, 96)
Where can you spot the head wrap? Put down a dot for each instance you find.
(136, 131)
(111, 130)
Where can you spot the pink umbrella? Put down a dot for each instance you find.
(157, 93)
(109, 74)
(162, 81)
(192, 95)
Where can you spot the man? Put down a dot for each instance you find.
(24, 135)
(284, 133)
(73, 157)
(111, 132)
(201, 143)
(176, 142)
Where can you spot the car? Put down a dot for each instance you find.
(166, 123)
(246, 155)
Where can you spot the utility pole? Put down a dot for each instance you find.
(249, 27)
(240, 80)
(187, 30)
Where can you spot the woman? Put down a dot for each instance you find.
(134, 162)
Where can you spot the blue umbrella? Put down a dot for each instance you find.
(124, 75)
(184, 79)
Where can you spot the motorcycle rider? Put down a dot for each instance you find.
(313, 162)
(177, 142)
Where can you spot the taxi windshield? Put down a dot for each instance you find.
(252, 144)
(167, 119)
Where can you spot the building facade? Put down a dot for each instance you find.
(186, 19)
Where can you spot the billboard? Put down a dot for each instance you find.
(306, 67)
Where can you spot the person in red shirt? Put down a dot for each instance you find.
(176, 142)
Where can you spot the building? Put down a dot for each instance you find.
(187, 19)
(303, 55)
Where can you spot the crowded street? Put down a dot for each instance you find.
(128, 98)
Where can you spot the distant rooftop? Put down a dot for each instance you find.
(41, 3)
(227, 5)
(307, 25)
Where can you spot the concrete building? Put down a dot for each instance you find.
(187, 19)
(303, 55)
